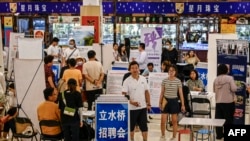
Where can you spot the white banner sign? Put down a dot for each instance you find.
(114, 81)
(154, 81)
(12, 52)
(29, 48)
(152, 37)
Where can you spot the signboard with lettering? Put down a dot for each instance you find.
(152, 37)
(112, 121)
(131, 7)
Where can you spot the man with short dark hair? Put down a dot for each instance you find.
(136, 87)
(94, 74)
(54, 49)
(49, 110)
(150, 68)
(142, 58)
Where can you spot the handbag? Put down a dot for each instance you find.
(68, 110)
(163, 103)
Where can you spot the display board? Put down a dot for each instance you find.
(212, 60)
(12, 52)
(154, 82)
(234, 53)
(152, 37)
(114, 81)
(30, 48)
(30, 83)
(1, 53)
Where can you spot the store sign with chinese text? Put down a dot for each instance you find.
(112, 121)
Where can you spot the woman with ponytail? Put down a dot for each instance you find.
(70, 104)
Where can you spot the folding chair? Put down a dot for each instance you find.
(201, 106)
(23, 129)
(51, 124)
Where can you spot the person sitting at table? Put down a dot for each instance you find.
(224, 88)
(191, 58)
(150, 68)
(194, 83)
(122, 54)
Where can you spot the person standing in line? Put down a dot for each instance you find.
(169, 53)
(54, 50)
(72, 72)
(136, 87)
(142, 59)
(49, 74)
(224, 88)
(70, 105)
(171, 86)
(71, 52)
(94, 74)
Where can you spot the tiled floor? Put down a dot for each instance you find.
(155, 132)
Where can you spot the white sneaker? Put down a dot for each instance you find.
(163, 138)
(173, 139)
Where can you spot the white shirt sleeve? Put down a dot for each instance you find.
(125, 86)
(141, 58)
(49, 50)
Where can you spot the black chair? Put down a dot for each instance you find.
(204, 107)
(21, 129)
(50, 123)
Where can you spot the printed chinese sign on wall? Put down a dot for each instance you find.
(152, 37)
(92, 21)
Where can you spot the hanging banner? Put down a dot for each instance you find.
(155, 81)
(12, 52)
(92, 21)
(234, 54)
(83, 35)
(8, 27)
(152, 37)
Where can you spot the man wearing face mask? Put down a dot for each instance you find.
(169, 53)
(71, 52)
(54, 50)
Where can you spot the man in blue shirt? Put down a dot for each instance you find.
(150, 68)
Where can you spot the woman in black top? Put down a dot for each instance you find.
(71, 120)
(169, 53)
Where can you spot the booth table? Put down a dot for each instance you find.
(201, 121)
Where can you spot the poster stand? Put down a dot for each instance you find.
(112, 113)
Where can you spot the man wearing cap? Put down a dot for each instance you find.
(94, 74)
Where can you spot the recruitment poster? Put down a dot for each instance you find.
(114, 81)
(155, 81)
(234, 54)
(152, 37)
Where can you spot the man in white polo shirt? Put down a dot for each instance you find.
(136, 87)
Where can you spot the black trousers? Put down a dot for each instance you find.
(91, 97)
(224, 111)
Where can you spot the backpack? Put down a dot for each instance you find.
(86, 132)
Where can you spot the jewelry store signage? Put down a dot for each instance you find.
(130, 7)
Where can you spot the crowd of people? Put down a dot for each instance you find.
(82, 79)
